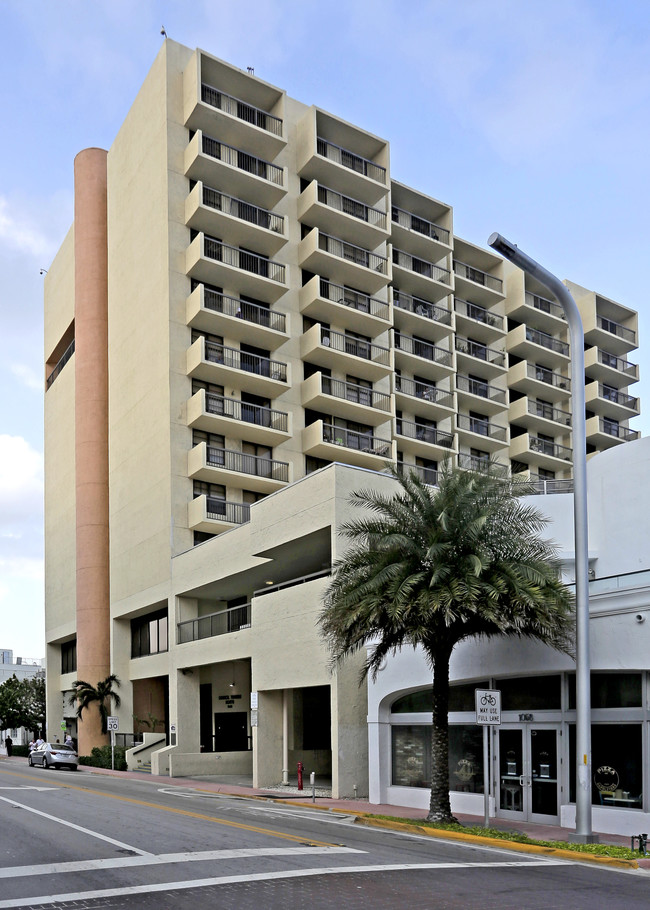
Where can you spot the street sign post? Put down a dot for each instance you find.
(488, 714)
(113, 724)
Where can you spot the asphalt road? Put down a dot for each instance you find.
(92, 841)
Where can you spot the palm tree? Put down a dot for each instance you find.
(84, 694)
(434, 566)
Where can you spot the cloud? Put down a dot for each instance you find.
(16, 233)
(21, 505)
(27, 376)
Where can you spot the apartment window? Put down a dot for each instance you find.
(257, 459)
(356, 344)
(543, 374)
(212, 440)
(425, 430)
(255, 360)
(209, 387)
(149, 634)
(314, 464)
(544, 409)
(428, 470)
(358, 390)
(611, 426)
(215, 495)
(545, 474)
(610, 393)
(479, 423)
(69, 656)
(479, 458)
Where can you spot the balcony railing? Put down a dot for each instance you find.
(229, 205)
(546, 447)
(548, 412)
(358, 347)
(547, 341)
(414, 223)
(350, 391)
(236, 513)
(482, 426)
(354, 299)
(482, 463)
(424, 391)
(242, 360)
(546, 486)
(481, 388)
(611, 394)
(352, 253)
(613, 428)
(254, 465)
(245, 412)
(353, 207)
(242, 309)
(423, 349)
(352, 439)
(351, 160)
(608, 325)
(478, 313)
(542, 374)
(242, 160)
(421, 266)
(231, 620)
(544, 305)
(241, 259)
(478, 276)
(67, 354)
(427, 475)
(617, 363)
(241, 109)
(481, 351)
(421, 307)
(432, 435)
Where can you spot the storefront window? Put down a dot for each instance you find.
(616, 761)
(610, 690)
(411, 754)
(461, 698)
(530, 693)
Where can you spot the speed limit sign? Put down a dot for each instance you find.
(113, 723)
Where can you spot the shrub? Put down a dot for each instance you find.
(100, 757)
(21, 750)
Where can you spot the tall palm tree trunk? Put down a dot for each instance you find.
(440, 806)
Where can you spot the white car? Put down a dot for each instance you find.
(54, 755)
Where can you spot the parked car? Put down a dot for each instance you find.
(54, 755)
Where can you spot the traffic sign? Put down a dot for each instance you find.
(488, 706)
(113, 723)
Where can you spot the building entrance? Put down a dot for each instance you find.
(231, 732)
(528, 778)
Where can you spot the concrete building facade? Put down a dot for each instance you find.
(245, 297)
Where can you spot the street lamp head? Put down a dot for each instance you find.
(502, 246)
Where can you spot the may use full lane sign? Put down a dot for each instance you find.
(488, 706)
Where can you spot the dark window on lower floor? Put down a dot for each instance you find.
(149, 634)
(69, 656)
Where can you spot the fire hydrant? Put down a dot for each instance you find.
(301, 768)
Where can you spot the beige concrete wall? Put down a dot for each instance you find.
(59, 295)
(184, 764)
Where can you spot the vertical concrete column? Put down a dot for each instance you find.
(91, 430)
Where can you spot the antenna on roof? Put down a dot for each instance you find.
(163, 32)
(251, 70)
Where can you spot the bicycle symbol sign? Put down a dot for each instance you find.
(488, 706)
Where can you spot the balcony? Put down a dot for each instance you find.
(232, 170)
(541, 453)
(347, 400)
(212, 516)
(426, 475)
(479, 393)
(232, 620)
(607, 401)
(332, 165)
(419, 276)
(477, 284)
(605, 329)
(534, 414)
(472, 356)
(610, 369)
(345, 353)
(333, 443)
(539, 382)
(210, 261)
(482, 464)
(492, 436)
(414, 314)
(423, 399)
(418, 356)
(231, 367)
(531, 344)
(209, 210)
(349, 264)
(242, 121)
(333, 303)
(537, 311)
(423, 441)
(237, 419)
(485, 326)
(342, 216)
(232, 468)
(604, 432)
(218, 314)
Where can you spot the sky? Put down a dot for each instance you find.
(529, 117)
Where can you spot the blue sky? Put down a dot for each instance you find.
(530, 118)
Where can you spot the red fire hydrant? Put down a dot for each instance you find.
(301, 768)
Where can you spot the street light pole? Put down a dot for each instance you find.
(583, 833)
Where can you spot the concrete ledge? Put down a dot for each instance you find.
(186, 764)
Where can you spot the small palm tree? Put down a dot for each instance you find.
(434, 566)
(84, 694)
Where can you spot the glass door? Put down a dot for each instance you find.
(528, 779)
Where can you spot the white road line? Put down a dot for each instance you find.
(120, 862)
(40, 789)
(43, 900)
(62, 821)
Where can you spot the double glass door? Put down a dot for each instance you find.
(528, 777)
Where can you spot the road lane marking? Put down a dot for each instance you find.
(40, 789)
(63, 821)
(247, 878)
(120, 862)
(294, 838)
